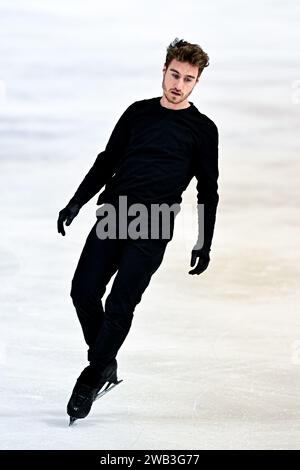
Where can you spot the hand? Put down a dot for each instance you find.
(67, 214)
(202, 264)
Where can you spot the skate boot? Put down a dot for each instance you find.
(85, 394)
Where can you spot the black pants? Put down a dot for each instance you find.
(135, 261)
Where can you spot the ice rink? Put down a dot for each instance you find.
(211, 361)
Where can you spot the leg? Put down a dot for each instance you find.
(97, 264)
(139, 260)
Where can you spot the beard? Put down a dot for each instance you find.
(174, 98)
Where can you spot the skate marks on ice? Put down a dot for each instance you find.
(251, 277)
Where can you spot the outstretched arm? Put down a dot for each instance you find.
(207, 173)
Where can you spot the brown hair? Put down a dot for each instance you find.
(184, 51)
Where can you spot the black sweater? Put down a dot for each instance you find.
(151, 157)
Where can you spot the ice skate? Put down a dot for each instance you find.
(84, 395)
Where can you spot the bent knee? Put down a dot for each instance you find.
(80, 294)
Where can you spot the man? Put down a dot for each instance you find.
(155, 149)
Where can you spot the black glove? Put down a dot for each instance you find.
(203, 261)
(67, 214)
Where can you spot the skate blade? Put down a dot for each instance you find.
(72, 420)
(108, 387)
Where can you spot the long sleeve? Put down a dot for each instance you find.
(207, 173)
(106, 161)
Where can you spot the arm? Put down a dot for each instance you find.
(105, 163)
(102, 169)
(207, 173)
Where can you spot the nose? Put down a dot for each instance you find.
(178, 85)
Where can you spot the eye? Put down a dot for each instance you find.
(177, 76)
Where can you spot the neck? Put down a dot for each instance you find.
(167, 104)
